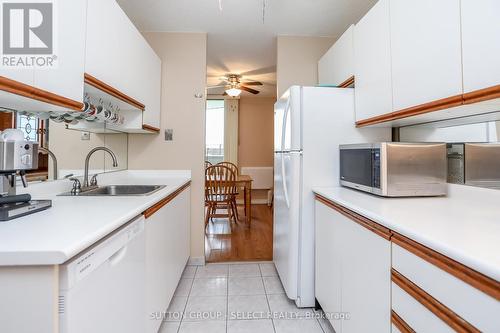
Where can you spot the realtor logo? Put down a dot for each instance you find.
(28, 33)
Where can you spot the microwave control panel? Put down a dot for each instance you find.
(376, 168)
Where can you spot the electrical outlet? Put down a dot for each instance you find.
(169, 134)
(85, 136)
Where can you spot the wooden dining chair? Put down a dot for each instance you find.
(231, 166)
(220, 189)
(234, 168)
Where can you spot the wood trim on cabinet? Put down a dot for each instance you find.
(436, 105)
(96, 83)
(150, 128)
(361, 220)
(25, 90)
(347, 83)
(482, 95)
(440, 310)
(400, 323)
(156, 207)
(477, 280)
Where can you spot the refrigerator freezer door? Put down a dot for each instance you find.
(279, 112)
(291, 127)
(287, 219)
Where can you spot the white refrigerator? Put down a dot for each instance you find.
(309, 125)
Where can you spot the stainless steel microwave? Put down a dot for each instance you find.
(476, 164)
(395, 169)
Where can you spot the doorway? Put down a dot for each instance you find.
(249, 237)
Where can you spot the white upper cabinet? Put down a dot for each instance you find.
(118, 55)
(149, 87)
(425, 51)
(66, 79)
(22, 75)
(481, 44)
(337, 64)
(111, 47)
(372, 63)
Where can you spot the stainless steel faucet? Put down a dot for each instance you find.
(87, 159)
(54, 161)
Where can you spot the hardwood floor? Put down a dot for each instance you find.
(238, 241)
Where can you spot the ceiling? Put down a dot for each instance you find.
(239, 41)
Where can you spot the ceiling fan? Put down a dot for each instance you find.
(233, 85)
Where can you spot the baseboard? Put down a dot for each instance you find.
(196, 261)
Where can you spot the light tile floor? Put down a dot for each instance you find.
(237, 298)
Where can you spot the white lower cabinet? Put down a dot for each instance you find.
(384, 281)
(353, 266)
(417, 316)
(471, 304)
(167, 251)
(328, 263)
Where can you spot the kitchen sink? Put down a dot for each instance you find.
(121, 190)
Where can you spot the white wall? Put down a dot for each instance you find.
(183, 57)
(297, 60)
(71, 150)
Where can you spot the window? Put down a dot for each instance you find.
(214, 134)
(29, 126)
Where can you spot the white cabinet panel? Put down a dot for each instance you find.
(425, 51)
(23, 75)
(328, 263)
(352, 273)
(337, 65)
(110, 50)
(372, 63)
(66, 79)
(118, 55)
(167, 251)
(366, 276)
(417, 316)
(468, 302)
(150, 86)
(480, 43)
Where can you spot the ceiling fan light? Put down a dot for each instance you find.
(233, 92)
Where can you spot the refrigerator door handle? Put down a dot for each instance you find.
(283, 178)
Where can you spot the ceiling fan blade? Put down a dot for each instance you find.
(250, 90)
(252, 83)
(212, 87)
(224, 94)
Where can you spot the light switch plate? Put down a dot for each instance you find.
(85, 136)
(169, 134)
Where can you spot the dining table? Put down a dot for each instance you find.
(245, 182)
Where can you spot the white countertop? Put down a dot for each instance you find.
(74, 223)
(465, 225)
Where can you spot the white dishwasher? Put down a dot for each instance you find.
(102, 289)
